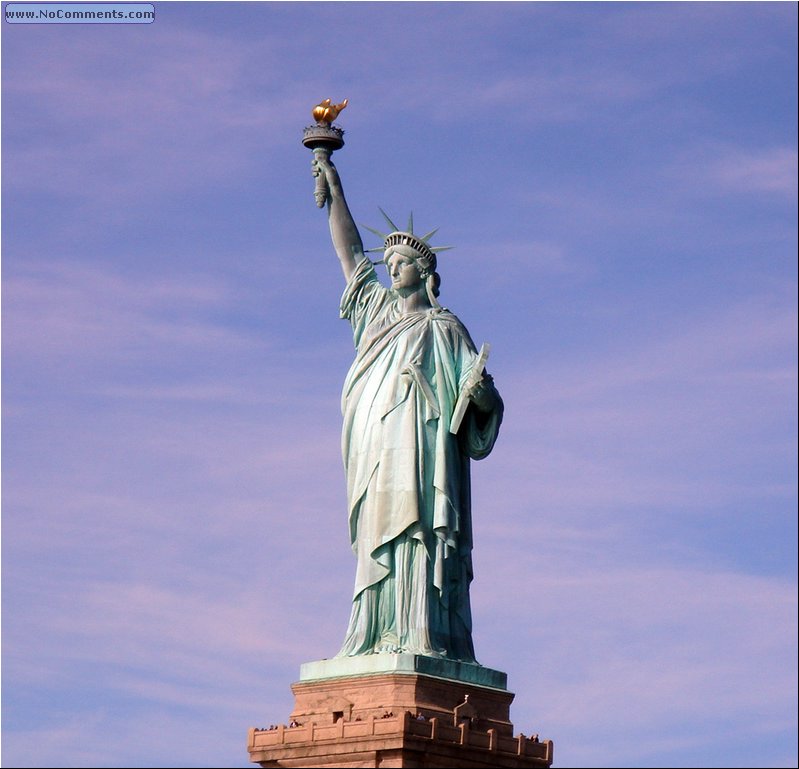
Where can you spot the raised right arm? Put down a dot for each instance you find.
(346, 238)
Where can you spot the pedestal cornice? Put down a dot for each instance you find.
(373, 664)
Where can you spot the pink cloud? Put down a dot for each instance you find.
(740, 170)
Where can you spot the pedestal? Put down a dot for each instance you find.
(398, 711)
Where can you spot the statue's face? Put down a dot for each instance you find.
(403, 272)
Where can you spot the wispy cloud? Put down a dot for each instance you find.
(740, 170)
(648, 647)
(117, 120)
(688, 421)
(83, 313)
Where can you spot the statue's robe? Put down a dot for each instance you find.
(408, 475)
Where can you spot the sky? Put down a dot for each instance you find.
(620, 184)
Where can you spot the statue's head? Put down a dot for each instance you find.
(415, 248)
(407, 245)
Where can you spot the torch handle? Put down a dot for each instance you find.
(320, 191)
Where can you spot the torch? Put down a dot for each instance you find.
(323, 138)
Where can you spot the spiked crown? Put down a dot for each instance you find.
(398, 237)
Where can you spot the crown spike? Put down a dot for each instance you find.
(390, 223)
(410, 222)
(381, 235)
(429, 235)
(436, 249)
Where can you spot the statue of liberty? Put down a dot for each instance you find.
(407, 443)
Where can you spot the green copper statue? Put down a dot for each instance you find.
(406, 459)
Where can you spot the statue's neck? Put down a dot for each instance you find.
(413, 300)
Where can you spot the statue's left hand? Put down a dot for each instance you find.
(483, 394)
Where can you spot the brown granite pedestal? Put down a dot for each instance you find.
(401, 718)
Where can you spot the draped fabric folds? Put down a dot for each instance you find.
(408, 476)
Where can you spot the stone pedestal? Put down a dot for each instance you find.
(392, 711)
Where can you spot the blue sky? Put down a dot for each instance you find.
(620, 183)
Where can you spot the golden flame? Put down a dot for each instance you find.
(325, 112)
